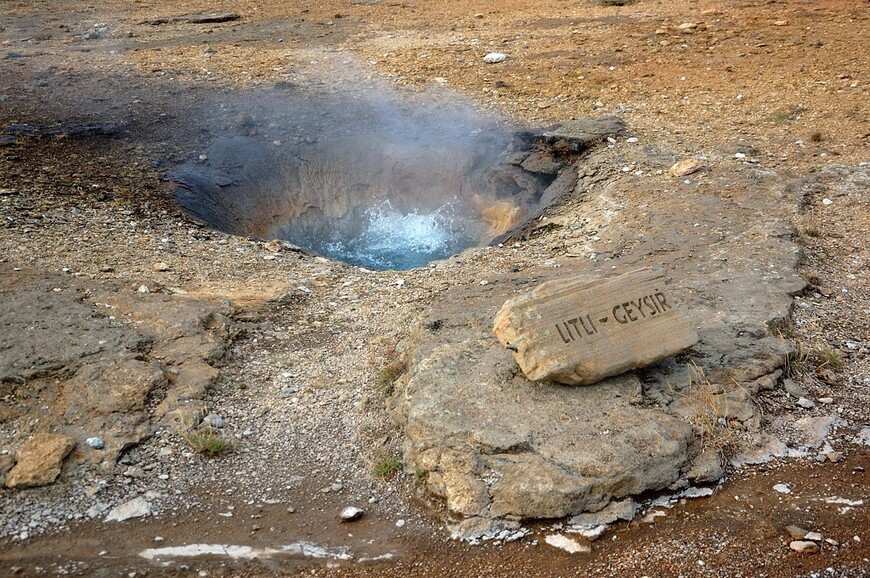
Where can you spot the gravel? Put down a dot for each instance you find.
(298, 391)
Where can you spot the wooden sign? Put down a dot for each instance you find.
(580, 330)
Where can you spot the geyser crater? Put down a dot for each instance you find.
(377, 185)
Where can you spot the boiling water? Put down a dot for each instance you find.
(392, 239)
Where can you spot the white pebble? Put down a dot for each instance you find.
(351, 513)
(805, 403)
(494, 58)
(96, 442)
(567, 544)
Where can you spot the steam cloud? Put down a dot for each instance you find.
(364, 177)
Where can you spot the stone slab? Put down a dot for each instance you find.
(39, 460)
(87, 387)
(135, 508)
(580, 330)
(491, 447)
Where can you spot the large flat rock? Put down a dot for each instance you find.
(96, 356)
(495, 445)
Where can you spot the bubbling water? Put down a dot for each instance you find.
(392, 239)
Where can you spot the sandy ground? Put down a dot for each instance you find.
(789, 79)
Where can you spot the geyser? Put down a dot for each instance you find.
(383, 205)
(370, 183)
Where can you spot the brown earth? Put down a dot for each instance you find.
(82, 197)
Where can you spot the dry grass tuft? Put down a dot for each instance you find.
(388, 375)
(828, 358)
(208, 442)
(796, 363)
(710, 420)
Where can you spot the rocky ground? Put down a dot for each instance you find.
(123, 318)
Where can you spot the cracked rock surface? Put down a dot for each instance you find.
(96, 360)
(493, 444)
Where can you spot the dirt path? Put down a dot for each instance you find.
(97, 103)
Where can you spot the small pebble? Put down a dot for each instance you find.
(804, 546)
(494, 58)
(685, 167)
(805, 403)
(350, 514)
(400, 523)
(794, 389)
(213, 420)
(834, 457)
(782, 488)
(96, 442)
